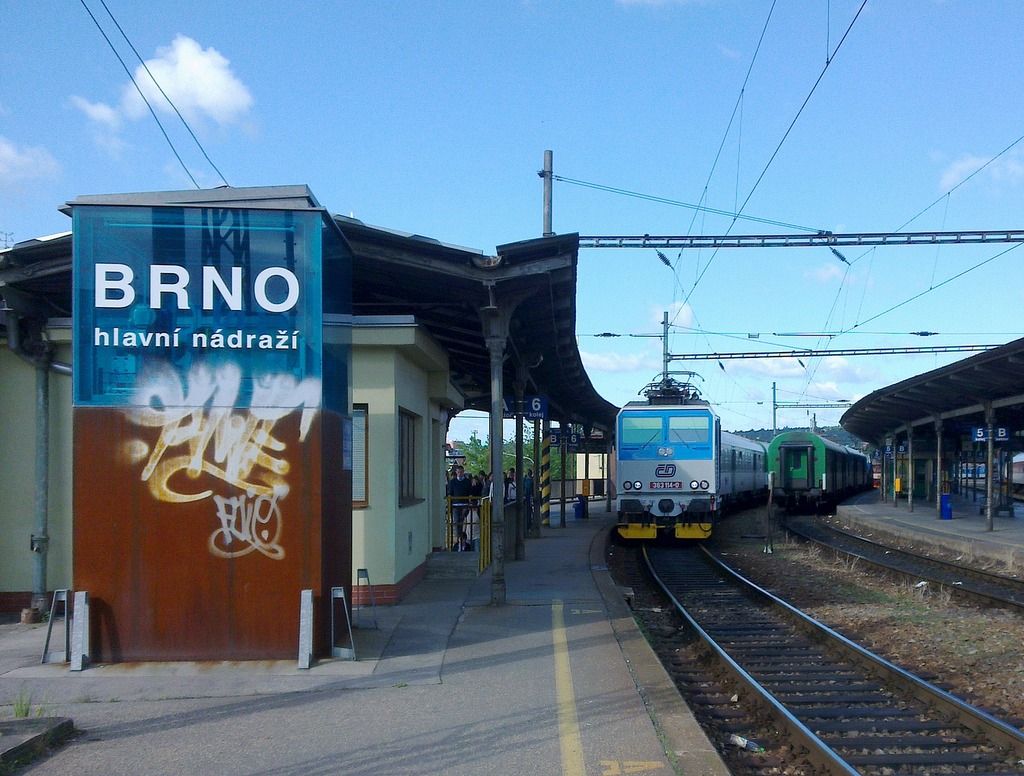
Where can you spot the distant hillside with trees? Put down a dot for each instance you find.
(837, 434)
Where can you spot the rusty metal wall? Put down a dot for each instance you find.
(190, 554)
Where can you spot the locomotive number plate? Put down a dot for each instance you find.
(666, 485)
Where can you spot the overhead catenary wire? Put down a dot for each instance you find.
(143, 96)
(782, 141)
(678, 203)
(166, 97)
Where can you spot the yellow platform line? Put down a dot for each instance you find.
(565, 695)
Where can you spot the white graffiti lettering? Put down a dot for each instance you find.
(202, 432)
(255, 525)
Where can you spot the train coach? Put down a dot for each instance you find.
(676, 470)
(811, 472)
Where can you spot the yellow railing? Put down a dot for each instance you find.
(468, 527)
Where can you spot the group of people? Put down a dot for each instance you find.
(466, 492)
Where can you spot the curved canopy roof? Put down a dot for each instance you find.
(956, 391)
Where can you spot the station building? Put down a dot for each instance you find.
(178, 516)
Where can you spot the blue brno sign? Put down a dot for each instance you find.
(231, 293)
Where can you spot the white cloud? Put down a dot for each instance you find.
(826, 273)
(99, 112)
(21, 163)
(1006, 169)
(729, 53)
(767, 367)
(679, 314)
(198, 81)
(958, 170)
(616, 362)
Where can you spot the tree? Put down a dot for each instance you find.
(478, 455)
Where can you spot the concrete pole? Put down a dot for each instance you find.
(775, 424)
(547, 175)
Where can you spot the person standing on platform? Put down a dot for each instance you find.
(528, 495)
(458, 491)
(476, 494)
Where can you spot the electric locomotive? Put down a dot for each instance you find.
(676, 469)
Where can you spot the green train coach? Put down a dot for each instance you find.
(811, 472)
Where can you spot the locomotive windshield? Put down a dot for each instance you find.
(680, 434)
(637, 432)
(689, 429)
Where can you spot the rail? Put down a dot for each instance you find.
(878, 719)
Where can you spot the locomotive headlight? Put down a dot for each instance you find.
(704, 485)
(694, 484)
(665, 452)
(627, 485)
(638, 485)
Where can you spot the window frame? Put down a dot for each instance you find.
(361, 411)
(408, 481)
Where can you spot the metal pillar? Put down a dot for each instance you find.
(496, 348)
(938, 467)
(544, 475)
(608, 476)
(989, 420)
(884, 484)
(534, 516)
(563, 437)
(895, 462)
(910, 467)
(520, 512)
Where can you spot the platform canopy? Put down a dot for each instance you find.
(956, 394)
(449, 288)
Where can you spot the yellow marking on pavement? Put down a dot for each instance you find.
(565, 695)
(616, 768)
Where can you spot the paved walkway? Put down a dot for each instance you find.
(558, 681)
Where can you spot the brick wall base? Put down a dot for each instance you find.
(388, 595)
(13, 603)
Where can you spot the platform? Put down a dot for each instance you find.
(968, 532)
(557, 681)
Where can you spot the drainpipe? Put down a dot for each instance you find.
(42, 360)
(40, 539)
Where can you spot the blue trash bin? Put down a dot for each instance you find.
(945, 507)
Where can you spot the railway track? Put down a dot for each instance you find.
(851, 712)
(974, 584)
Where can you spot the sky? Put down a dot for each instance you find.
(433, 118)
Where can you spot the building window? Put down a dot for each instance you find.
(360, 456)
(406, 457)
